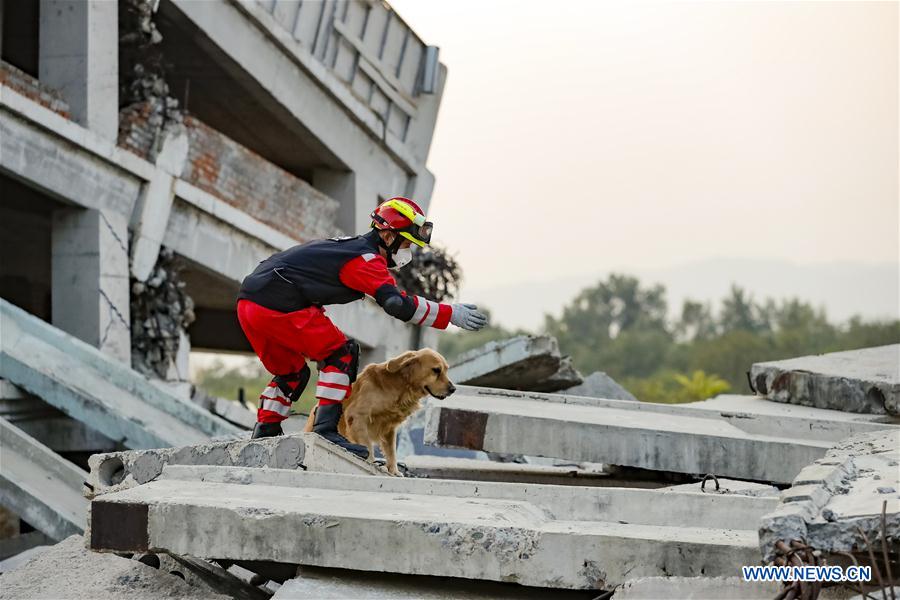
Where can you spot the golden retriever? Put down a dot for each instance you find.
(385, 394)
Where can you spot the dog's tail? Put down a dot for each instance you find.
(310, 420)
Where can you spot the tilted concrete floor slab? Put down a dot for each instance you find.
(476, 538)
(39, 485)
(860, 381)
(116, 471)
(619, 436)
(769, 443)
(840, 497)
(522, 363)
(89, 386)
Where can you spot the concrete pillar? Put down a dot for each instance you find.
(341, 186)
(89, 275)
(79, 56)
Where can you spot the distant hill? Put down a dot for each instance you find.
(843, 288)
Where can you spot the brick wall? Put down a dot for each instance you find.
(23, 83)
(240, 177)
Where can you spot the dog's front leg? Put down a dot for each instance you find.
(389, 447)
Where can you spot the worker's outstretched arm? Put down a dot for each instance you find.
(369, 274)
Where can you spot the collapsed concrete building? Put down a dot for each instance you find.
(126, 227)
(236, 129)
(151, 154)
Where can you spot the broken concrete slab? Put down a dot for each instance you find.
(688, 507)
(69, 570)
(726, 486)
(838, 498)
(600, 385)
(752, 414)
(647, 439)
(522, 363)
(232, 411)
(47, 424)
(40, 486)
(121, 470)
(95, 389)
(699, 588)
(316, 583)
(859, 381)
(469, 469)
(474, 538)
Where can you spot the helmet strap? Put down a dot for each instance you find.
(392, 247)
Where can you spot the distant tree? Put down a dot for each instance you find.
(739, 313)
(700, 386)
(697, 322)
(600, 314)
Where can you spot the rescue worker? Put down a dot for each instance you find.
(280, 310)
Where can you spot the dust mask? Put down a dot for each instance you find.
(402, 257)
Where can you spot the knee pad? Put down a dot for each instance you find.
(345, 358)
(293, 384)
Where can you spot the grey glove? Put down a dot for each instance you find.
(467, 317)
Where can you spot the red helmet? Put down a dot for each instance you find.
(405, 217)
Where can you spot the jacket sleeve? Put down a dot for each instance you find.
(369, 274)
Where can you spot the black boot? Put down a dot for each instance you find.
(261, 430)
(326, 425)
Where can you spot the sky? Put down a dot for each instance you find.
(579, 138)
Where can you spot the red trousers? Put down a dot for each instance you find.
(283, 342)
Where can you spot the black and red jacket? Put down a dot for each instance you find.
(336, 271)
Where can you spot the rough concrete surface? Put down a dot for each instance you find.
(751, 414)
(835, 497)
(860, 381)
(96, 389)
(693, 442)
(600, 385)
(314, 583)
(14, 562)
(685, 507)
(469, 469)
(476, 538)
(121, 470)
(698, 588)
(520, 363)
(71, 571)
(39, 485)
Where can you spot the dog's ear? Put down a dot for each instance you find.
(399, 363)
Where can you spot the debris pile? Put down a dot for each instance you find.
(298, 517)
(526, 362)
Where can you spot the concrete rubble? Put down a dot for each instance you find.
(93, 388)
(655, 437)
(520, 363)
(696, 588)
(479, 531)
(600, 385)
(122, 470)
(69, 570)
(837, 501)
(49, 425)
(39, 485)
(321, 584)
(859, 381)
